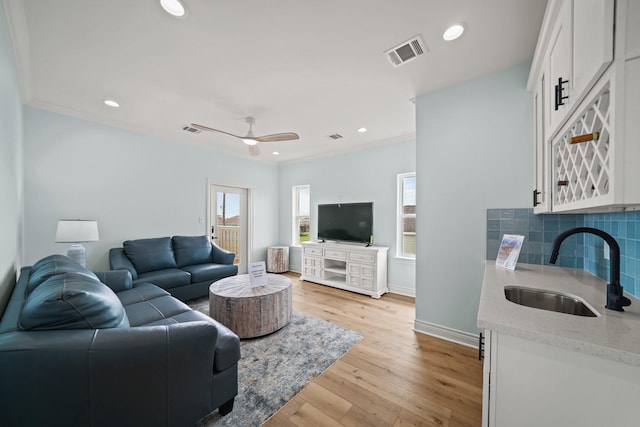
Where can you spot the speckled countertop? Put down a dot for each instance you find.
(613, 335)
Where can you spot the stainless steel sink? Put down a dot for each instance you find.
(549, 300)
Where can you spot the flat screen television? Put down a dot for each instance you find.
(346, 222)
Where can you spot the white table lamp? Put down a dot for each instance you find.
(76, 231)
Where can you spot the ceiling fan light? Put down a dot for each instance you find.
(249, 141)
(173, 7)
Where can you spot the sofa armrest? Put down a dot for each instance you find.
(117, 280)
(150, 375)
(119, 261)
(221, 256)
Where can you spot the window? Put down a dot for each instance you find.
(406, 243)
(301, 221)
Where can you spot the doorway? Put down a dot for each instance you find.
(229, 221)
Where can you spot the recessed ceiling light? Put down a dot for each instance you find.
(361, 130)
(453, 32)
(173, 7)
(111, 103)
(276, 153)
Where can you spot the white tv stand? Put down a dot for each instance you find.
(356, 268)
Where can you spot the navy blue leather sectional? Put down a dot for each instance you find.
(79, 348)
(185, 266)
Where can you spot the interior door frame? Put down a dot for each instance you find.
(211, 183)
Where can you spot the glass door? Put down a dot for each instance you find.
(228, 224)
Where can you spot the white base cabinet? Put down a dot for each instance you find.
(527, 383)
(353, 268)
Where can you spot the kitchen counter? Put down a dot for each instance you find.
(613, 335)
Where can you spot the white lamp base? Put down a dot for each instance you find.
(78, 253)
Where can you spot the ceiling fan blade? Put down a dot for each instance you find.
(287, 136)
(254, 150)
(208, 129)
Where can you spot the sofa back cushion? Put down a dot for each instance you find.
(72, 301)
(191, 250)
(53, 265)
(150, 254)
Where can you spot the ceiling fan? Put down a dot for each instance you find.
(250, 139)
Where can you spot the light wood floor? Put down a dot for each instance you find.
(392, 377)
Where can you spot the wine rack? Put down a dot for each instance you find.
(582, 154)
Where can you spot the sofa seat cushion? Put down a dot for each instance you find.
(190, 250)
(210, 272)
(186, 316)
(52, 265)
(140, 292)
(72, 301)
(146, 312)
(166, 279)
(150, 254)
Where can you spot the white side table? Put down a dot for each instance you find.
(278, 259)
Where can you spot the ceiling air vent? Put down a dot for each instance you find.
(335, 136)
(191, 129)
(406, 51)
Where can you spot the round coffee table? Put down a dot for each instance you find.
(251, 312)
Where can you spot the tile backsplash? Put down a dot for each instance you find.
(582, 250)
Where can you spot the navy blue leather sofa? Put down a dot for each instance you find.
(79, 348)
(184, 266)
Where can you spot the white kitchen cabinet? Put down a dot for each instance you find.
(559, 93)
(577, 53)
(527, 383)
(361, 269)
(583, 149)
(592, 42)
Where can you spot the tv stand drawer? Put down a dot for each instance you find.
(336, 254)
(361, 257)
(313, 251)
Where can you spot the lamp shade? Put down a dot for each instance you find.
(77, 230)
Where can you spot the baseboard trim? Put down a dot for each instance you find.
(400, 290)
(449, 334)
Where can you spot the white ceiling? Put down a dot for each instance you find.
(311, 67)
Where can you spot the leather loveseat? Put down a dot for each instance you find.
(79, 348)
(185, 266)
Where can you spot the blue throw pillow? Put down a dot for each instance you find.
(52, 265)
(72, 301)
(150, 254)
(191, 250)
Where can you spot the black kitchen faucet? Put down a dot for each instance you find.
(615, 298)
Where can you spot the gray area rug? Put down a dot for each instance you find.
(274, 368)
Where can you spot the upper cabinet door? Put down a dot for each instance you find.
(592, 42)
(560, 67)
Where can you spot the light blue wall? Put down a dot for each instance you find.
(134, 186)
(10, 164)
(474, 151)
(365, 176)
